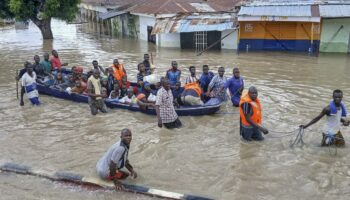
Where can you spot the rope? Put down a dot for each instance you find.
(285, 134)
(298, 139)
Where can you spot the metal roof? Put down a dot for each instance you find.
(184, 6)
(112, 14)
(334, 11)
(294, 2)
(194, 23)
(283, 11)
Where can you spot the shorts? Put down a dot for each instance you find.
(119, 175)
(251, 134)
(337, 140)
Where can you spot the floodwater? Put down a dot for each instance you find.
(205, 157)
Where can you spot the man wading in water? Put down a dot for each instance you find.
(251, 116)
(95, 94)
(166, 113)
(336, 114)
(110, 165)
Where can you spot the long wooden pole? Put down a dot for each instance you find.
(17, 82)
(151, 58)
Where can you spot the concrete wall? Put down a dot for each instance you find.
(331, 41)
(145, 21)
(124, 25)
(168, 40)
(230, 42)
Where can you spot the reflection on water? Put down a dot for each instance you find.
(205, 157)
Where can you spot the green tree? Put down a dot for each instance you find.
(40, 12)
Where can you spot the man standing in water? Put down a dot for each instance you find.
(95, 93)
(110, 165)
(29, 83)
(251, 116)
(235, 85)
(166, 113)
(20, 75)
(336, 114)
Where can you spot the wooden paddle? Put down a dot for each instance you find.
(17, 82)
(151, 58)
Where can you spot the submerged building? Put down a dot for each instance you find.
(335, 35)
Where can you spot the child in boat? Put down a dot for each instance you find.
(129, 98)
(79, 87)
(114, 96)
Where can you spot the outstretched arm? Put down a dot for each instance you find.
(324, 112)
(257, 126)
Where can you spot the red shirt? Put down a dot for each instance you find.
(55, 62)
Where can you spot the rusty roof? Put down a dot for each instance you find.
(195, 22)
(185, 6)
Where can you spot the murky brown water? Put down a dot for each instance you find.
(206, 157)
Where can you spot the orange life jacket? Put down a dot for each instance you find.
(194, 86)
(256, 107)
(118, 72)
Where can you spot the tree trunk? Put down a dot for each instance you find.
(45, 27)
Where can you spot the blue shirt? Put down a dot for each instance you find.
(234, 85)
(177, 92)
(173, 76)
(205, 80)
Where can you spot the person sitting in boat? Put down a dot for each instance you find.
(104, 81)
(177, 91)
(192, 78)
(55, 61)
(95, 65)
(141, 100)
(110, 166)
(79, 88)
(120, 76)
(38, 67)
(58, 79)
(29, 83)
(46, 64)
(129, 98)
(173, 74)
(191, 96)
(114, 96)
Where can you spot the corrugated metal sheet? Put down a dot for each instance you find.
(194, 23)
(283, 11)
(202, 7)
(334, 11)
(108, 15)
(294, 2)
(184, 6)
